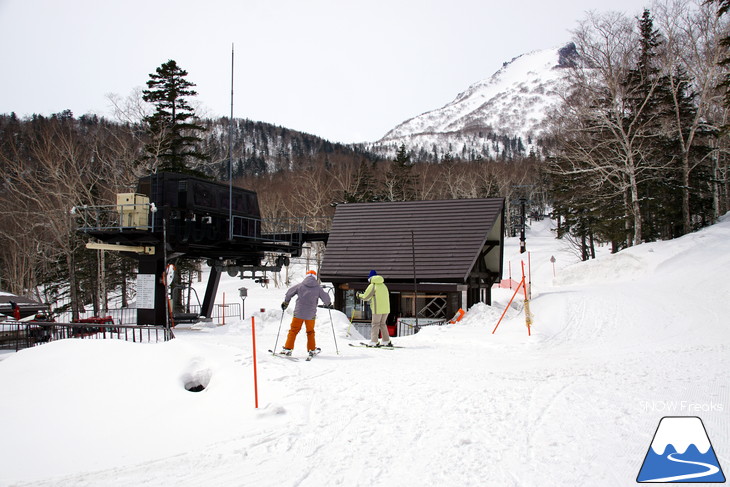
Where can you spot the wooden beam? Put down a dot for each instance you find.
(137, 249)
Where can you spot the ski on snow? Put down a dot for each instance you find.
(365, 345)
(288, 357)
(293, 359)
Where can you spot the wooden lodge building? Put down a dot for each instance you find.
(448, 253)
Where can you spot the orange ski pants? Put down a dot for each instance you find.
(296, 325)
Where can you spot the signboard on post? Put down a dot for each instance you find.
(145, 291)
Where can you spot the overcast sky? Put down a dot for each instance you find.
(346, 71)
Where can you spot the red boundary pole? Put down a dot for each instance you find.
(255, 374)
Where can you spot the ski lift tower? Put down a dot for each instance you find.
(177, 216)
(521, 202)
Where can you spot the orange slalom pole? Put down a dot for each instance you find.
(522, 283)
(255, 375)
(523, 275)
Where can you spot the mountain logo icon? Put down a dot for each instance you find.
(680, 452)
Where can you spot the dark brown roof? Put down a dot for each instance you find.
(21, 301)
(449, 237)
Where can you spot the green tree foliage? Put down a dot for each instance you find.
(172, 127)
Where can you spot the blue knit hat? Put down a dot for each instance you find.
(372, 273)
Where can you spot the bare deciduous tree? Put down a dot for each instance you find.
(606, 124)
(46, 172)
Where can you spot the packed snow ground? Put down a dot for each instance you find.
(617, 343)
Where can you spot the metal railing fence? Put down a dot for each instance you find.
(16, 335)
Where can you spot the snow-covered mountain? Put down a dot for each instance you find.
(499, 116)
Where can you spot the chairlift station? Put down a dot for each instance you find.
(177, 216)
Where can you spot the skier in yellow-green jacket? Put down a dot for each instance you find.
(378, 296)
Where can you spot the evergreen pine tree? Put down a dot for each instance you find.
(641, 121)
(649, 41)
(669, 197)
(172, 126)
(647, 108)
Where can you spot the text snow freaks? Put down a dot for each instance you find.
(681, 407)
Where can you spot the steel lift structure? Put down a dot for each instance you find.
(176, 216)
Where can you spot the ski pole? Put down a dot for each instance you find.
(278, 331)
(333, 331)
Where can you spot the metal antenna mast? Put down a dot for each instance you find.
(230, 159)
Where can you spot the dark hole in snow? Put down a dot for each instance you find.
(194, 387)
(197, 379)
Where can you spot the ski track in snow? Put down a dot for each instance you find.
(574, 404)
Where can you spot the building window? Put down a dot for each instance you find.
(425, 306)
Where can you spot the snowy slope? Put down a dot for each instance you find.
(617, 343)
(513, 102)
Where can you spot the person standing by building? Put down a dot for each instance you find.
(308, 293)
(379, 297)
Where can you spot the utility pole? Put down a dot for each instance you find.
(230, 159)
